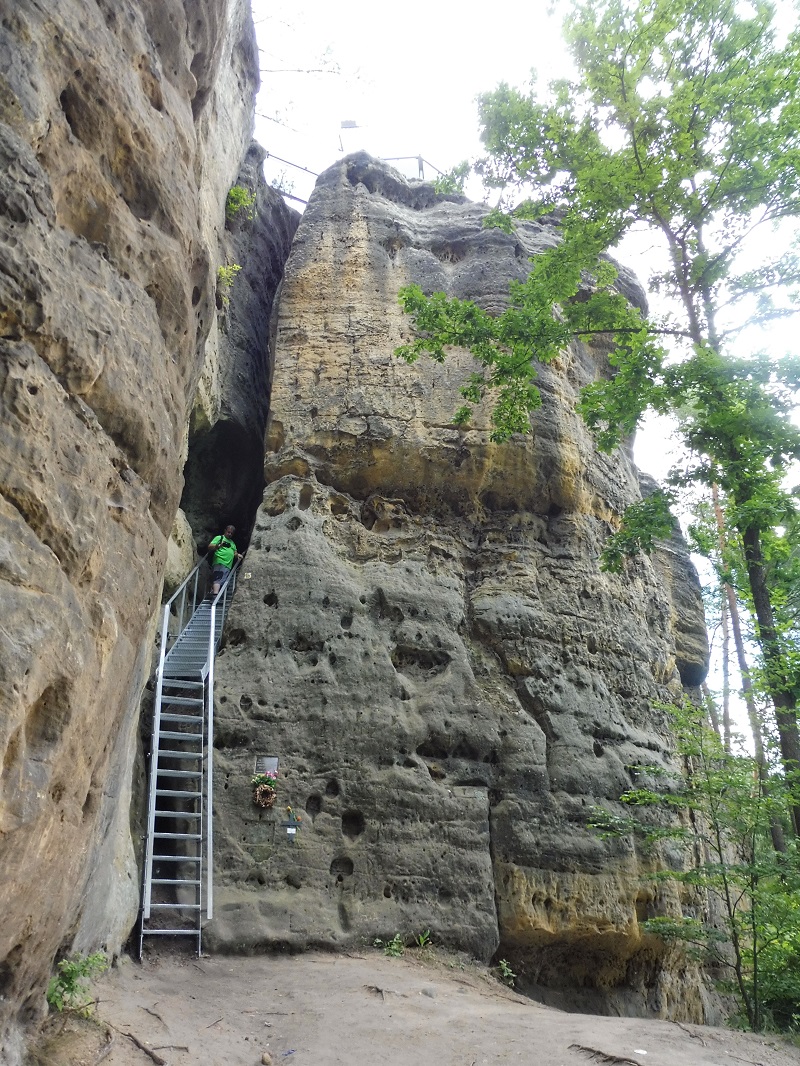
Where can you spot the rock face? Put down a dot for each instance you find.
(122, 125)
(426, 640)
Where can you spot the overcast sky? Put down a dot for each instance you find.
(408, 77)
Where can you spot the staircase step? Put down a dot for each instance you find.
(182, 701)
(166, 734)
(167, 754)
(177, 858)
(177, 683)
(180, 795)
(173, 881)
(175, 906)
(163, 772)
(177, 836)
(180, 718)
(170, 932)
(194, 815)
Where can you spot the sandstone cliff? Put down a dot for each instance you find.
(425, 638)
(122, 125)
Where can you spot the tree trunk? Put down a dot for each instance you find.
(711, 708)
(776, 829)
(782, 696)
(726, 677)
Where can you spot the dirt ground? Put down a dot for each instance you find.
(365, 1010)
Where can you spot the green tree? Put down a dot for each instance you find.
(684, 118)
(723, 822)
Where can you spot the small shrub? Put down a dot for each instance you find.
(394, 948)
(423, 940)
(69, 986)
(226, 275)
(453, 181)
(240, 201)
(507, 975)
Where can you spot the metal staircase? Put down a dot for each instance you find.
(179, 850)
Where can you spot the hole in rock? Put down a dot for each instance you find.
(8, 968)
(383, 609)
(305, 642)
(353, 824)
(598, 748)
(271, 599)
(306, 494)
(49, 716)
(342, 865)
(313, 805)
(332, 787)
(419, 662)
(435, 747)
(387, 891)
(449, 251)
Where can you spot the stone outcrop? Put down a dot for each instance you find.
(423, 635)
(123, 123)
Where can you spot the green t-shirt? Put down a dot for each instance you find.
(224, 551)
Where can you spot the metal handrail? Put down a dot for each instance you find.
(198, 594)
(192, 580)
(229, 586)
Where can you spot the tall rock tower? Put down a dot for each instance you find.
(424, 638)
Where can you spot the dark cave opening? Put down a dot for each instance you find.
(223, 481)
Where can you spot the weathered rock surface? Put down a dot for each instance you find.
(122, 126)
(426, 639)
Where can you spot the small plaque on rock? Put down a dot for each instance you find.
(266, 764)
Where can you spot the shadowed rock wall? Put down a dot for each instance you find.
(425, 639)
(224, 470)
(122, 125)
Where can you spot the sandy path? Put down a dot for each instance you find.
(321, 1010)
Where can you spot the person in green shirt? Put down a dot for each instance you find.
(223, 552)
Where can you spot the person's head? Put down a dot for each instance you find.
(230, 530)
